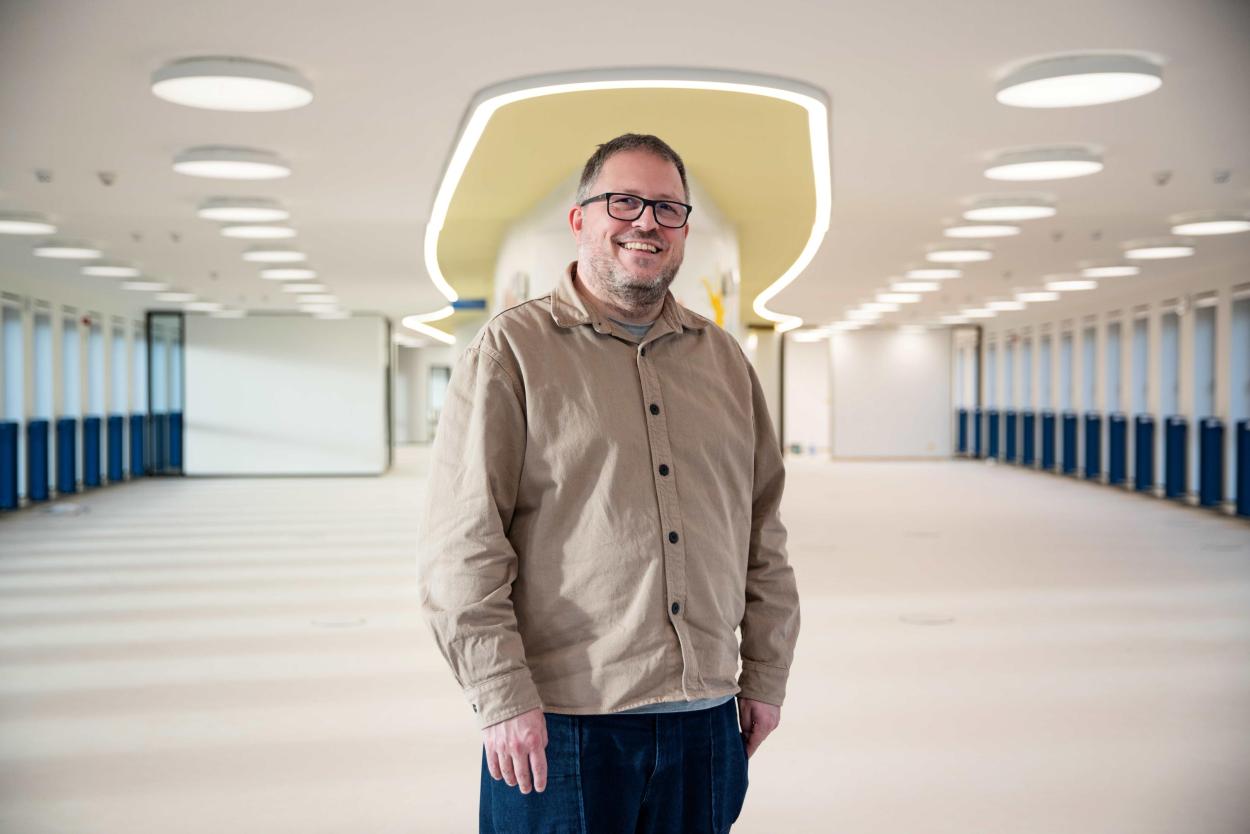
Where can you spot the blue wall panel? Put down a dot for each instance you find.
(1029, 432)
(66, 451)
(1093, 445)
(37, 458)
(1048, 440)
(976, 433)
(1174, 440)
(1243, 468)
(1069, 443)
(91, 451)
(1010, 430)
(175, 440)
(158, 428)
(116, 429)
(138, 443)
(1144, 453)
(8, 464)
(1210, 462)
(962, 422)
(992, 416)
(1117, 449)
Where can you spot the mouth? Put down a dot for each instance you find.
(639, 246)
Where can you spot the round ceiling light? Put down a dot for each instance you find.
(288, 273)
(981, 230)
(203, 306)
(898, 297)
(1210, 223)
(67, 251)
(958, 254)
(144, 286)
(934, 273)
(1032, 296)
(1061, 284)
(954, 319)
(1155, 249)
(228, 314)
(107, 270)
(258, 231)
(977, 313)
(862, 315)
(298, 288)
(1080, 80)
(1034, 164)
(269, 255)
(238, 84)
(1005, 306)
(25, 223)
(1009, 208)
(1108, 269)
(242, 210)
(175, 296)
(230, 163)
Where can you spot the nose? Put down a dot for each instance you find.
(646, 221)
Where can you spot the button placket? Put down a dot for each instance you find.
(664, 479)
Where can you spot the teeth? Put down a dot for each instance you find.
(644, 247)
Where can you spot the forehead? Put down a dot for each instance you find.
(640, 172)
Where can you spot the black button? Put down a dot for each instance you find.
(663, 468)
(676, 607)
(655, 409)
(672, 537)
(643, 351)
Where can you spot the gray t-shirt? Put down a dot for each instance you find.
(637, 330)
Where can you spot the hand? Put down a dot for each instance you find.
(757, 719)
(516, 747)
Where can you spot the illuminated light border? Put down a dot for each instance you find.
(488, 101)
(414, 323)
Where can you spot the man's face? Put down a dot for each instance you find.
(614, 255)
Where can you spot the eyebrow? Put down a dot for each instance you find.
(663, 195)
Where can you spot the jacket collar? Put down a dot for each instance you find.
(569, 310)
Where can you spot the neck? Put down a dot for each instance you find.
(611, 307)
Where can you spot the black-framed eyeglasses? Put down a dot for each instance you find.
(668, 213)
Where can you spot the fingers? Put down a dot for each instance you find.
(538, 762)
(521, 767)
(492, 764)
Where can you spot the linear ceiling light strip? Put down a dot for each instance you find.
(492, 99)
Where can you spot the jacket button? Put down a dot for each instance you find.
(642, 351)
(655, 409)
(676, 607)
(672, 537)
(663, 468)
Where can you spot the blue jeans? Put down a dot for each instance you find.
(663, 773)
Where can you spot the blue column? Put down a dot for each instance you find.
(994, 426)
(1211, 462)
(175, 440)
(1144, 453)
(962, 422)
(116, 430)
(976, 433)
(66, 451)
(1117, 431)
(91, 451)
(8, 465)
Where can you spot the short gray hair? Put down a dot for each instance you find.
(629, 142)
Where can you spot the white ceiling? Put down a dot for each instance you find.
(913, 115)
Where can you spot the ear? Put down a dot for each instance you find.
(575, 220)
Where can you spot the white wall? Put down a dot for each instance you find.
(539, 246)
(285, 395)
(808, 397)
(891, 394)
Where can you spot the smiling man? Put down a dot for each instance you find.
(602, 519)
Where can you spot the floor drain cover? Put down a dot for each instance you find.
(927, 619)
(65, 509)
(339, 622)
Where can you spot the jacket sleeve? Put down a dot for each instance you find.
(770, 621)
(466, 565)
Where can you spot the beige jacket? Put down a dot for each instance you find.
(602, 517)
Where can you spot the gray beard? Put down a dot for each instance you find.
(628, 291)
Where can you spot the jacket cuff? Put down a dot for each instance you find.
(761, 682)
(503, 697)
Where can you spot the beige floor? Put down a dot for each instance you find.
(984, 651)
